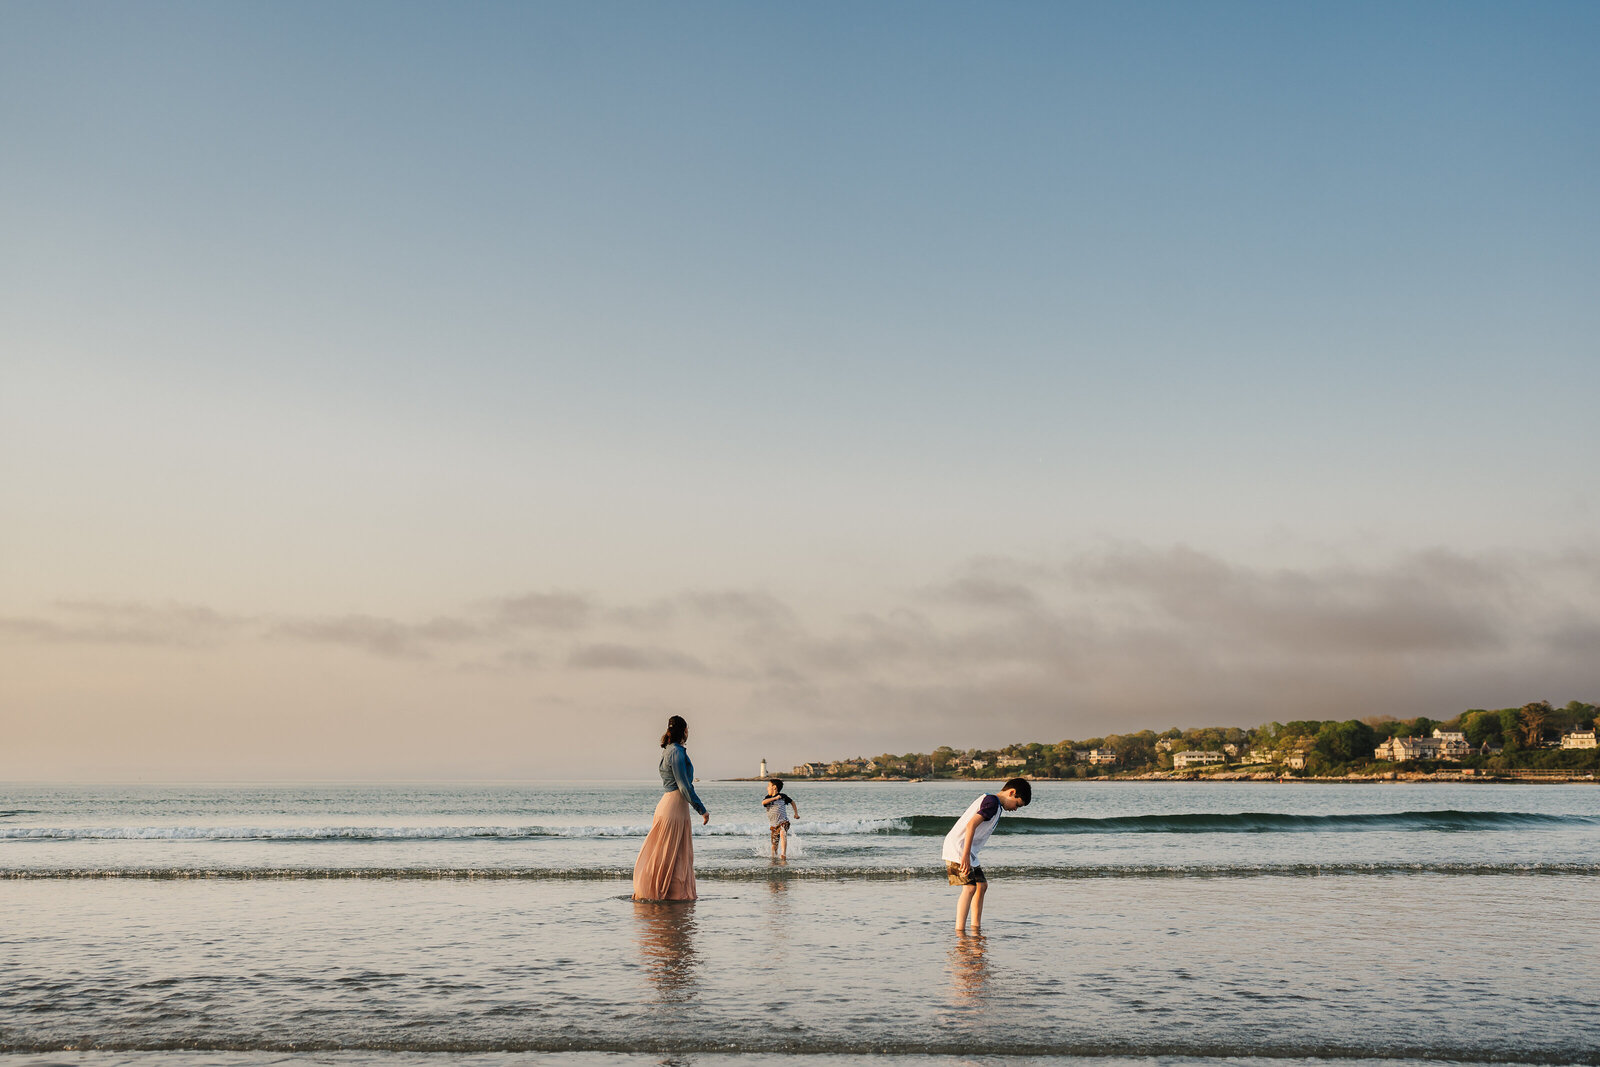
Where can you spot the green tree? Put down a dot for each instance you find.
(1510, 729)
(1583, 715)
(1481, 727)
(1532, 719)
(1134, 750)
(1341, 742)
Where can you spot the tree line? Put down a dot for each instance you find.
(1525, 737)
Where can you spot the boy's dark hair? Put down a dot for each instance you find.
(1024, 790)
(777, 782)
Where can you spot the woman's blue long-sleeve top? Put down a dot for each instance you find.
(677, 773)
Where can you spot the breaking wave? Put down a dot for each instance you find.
(1247, 822)
(416, 833)
(1259, 822)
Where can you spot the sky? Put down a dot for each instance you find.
(424, 390)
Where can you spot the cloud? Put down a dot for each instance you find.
(378, 636)
(614, 657)
(125, 623)
(748, 609)
(1428, 602)
(1121, 638)
(543, 611)
(987, 590)
(751, 608)
(1132, 636)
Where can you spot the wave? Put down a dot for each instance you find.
(417, 833)
(914, 825)
(793, 873)
(1257, 822)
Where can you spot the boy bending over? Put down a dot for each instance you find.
(962, 843)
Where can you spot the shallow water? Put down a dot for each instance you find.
(593, 829)
(1397, 936)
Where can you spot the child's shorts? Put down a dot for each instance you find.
(784, 825)
(973, 877)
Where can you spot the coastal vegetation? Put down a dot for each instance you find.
(1532, 739)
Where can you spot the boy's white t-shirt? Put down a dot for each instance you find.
(953, 840)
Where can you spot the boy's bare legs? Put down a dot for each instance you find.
(783, 840)
(963, 903)
(977, 905)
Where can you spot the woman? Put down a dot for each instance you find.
(665, 868)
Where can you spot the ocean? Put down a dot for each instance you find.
(1145, 923)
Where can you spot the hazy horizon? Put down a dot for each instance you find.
(399, 391)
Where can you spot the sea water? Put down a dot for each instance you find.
(492, 925)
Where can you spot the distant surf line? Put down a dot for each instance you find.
(912, 825)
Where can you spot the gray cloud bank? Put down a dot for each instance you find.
(1125, 637)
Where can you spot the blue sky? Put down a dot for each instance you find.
(316, 313)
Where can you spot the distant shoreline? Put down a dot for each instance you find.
(1397, 779)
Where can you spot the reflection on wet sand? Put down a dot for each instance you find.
(778, 917)
(969, 967)
(666, 933)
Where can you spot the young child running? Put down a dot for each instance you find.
(779, 805)
(967, 836)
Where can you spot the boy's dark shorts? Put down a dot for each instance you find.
(776, 830)
(973, 877)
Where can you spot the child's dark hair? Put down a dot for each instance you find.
(677, 732)
(777, 782)
(1024, 790)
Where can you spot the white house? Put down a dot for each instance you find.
(1183, 760)
(1452, 744)
(1096, 756)
(1580, 739)
(1399, 749)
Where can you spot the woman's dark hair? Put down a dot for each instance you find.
(677, 732)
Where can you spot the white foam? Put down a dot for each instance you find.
(416, 833)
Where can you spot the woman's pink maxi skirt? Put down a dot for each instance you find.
(665, 868)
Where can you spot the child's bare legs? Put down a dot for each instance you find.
(783, 842)
(971, 899)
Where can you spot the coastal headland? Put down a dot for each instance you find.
(1532, 743)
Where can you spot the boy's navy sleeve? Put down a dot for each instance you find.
(989, 807)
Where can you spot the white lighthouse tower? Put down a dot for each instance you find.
(763, 768)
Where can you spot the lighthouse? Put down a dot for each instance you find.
(763, 768)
